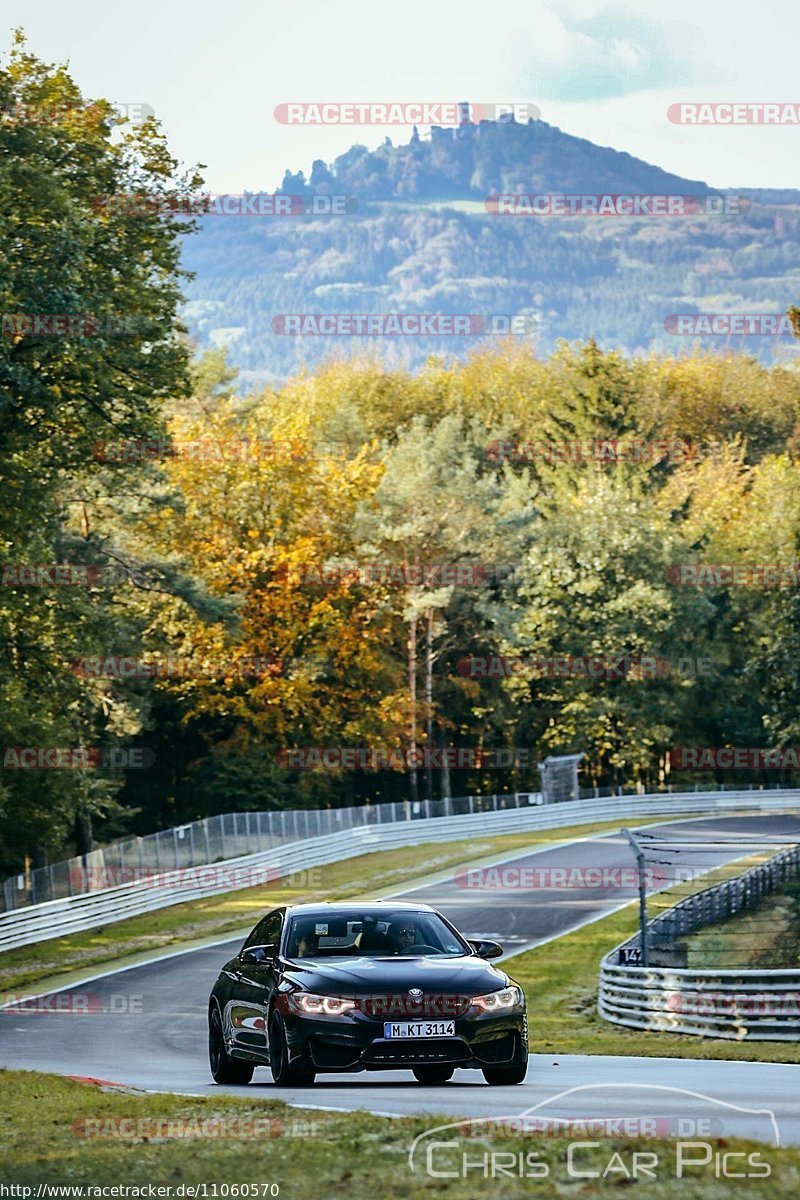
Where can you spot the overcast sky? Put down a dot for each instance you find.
(214, 72)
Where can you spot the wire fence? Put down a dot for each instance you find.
(231, 835)
(216, 839)
(741, 1003)
(722, 901)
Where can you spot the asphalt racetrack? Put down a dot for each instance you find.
(146, 1025)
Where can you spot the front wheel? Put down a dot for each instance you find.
(224, 1069)
(433, 1074)
(282, 1073)
(501, 1075)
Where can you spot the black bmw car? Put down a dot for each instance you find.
(353, 987)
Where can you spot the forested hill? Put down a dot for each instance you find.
(418, 239)
(474, 161)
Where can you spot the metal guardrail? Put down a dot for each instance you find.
(76, 913)
(229, 836)
(223, 838)
(757, 1005)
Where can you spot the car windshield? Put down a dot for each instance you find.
(372, 935)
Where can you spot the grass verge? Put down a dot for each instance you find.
(561, 983)
(176, 1142)
(378, 873)
(767, 938)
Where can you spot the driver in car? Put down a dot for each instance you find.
(405, 937)
(307, 945)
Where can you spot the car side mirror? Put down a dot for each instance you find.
(257, 954)
(487, 949)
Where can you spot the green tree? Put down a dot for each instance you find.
(91, 348)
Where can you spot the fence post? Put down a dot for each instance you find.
(640, 869)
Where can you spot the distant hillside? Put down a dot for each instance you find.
(478, 160)
(421, 241)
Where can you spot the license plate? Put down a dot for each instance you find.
(419, 1029)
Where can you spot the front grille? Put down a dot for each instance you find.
(411, 1050)
(434, 1006)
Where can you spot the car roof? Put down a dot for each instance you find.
(366, 906)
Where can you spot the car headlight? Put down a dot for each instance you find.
(500, 1001)
(309, 1005)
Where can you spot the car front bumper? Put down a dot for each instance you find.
(355, 1042)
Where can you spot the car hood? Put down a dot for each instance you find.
(368, 976)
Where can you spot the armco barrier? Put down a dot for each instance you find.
(736, 1005)
(754, 1005)
(232, 835)
(223, 837)
(54, 918)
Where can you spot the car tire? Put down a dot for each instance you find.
(282, 1073)
(224, 1069)
(433, 1074)
(500, 1075)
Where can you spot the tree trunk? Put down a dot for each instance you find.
(84, 836)
(412, 696)
(429, 701)
(446, 790)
